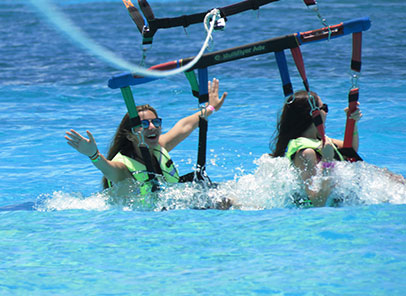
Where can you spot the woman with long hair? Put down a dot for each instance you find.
(125, 159)
(298, 139)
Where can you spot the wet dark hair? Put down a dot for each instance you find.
(294, 120)
(120, 142)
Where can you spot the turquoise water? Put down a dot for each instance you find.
(76, 243)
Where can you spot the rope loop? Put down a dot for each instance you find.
(312, 103)
(203, 110)
(211, 21)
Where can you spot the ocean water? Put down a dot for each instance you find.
(76, 242)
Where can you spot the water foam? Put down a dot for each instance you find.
(58, 201)
(273, 184)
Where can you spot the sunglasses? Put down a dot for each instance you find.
(157, 122)
(324, 107)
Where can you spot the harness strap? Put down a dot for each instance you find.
(191, 77)
(201, 154)
(314, 109)
(203, 77)
(149, 30)
(353, 95)
(203, 124)
(356, 51)
(199, 87)
(136, 122)
(132, 109)
(350, 123)
(146, 9)
(298, 58)
(284, 72)
(146, 156)
(135, 15)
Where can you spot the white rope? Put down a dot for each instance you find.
(66, 26)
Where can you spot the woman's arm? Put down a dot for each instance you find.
(113, 170)
(306, 161)
(184, 127)
(356, 115)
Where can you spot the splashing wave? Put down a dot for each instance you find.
(273, 184)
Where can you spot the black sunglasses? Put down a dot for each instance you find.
(324, 107)
(157, 122)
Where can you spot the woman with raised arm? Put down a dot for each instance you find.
(125, 160)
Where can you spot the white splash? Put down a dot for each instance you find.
(363, 183)
(59, 201)
(273, 184)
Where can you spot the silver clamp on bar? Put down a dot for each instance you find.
(140, 137)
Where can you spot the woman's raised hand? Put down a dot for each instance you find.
(214, 94)
(83, 145)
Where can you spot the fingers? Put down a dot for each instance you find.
(72, 142)
(75, 138)
(89, 134)
(80, 143)
(223, 97)
(213, 94)
(76, 134)
(356, 115)
(72, 138)
(214, 86)
(72, 145)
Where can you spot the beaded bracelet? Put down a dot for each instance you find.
(95, 157)
(95, 154)
(327, 165)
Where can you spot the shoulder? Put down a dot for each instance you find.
(300, 144)
(307, 153)
(165, 139)
(163, 150)
(119, 157)
(305, 157)
(125, 160)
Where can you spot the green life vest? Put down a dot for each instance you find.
(302, 143)
(140, 173)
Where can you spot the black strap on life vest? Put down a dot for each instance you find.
(148, 30)
(146, 156)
